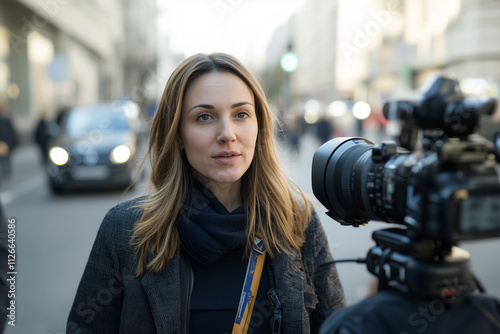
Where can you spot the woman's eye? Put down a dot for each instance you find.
(204, 117)
(242, 114)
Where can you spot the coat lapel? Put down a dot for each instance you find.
(164, 294)
(288, 275)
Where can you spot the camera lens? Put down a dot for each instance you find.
(334, 177)
(355, 186)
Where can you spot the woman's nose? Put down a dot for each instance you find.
(226, 131)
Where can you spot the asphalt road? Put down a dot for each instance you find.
(54, 235)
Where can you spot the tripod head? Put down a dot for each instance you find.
(412, 268)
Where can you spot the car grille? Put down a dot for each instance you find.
(89, 159)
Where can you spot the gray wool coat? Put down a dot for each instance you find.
(112, 299)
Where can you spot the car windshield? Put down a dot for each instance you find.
(84, 121)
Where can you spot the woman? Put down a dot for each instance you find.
(175, 261)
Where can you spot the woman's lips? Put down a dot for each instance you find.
(226, 157)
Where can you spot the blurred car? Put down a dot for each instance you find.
(95, 147)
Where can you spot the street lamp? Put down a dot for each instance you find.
(361, 110)
(289, 63)
(337, 108)
(312, 108)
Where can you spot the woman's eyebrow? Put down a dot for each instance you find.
(239, 104)
(205, 106)
(209, 106)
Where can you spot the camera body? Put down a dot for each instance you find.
(451, 193)
(440, 183)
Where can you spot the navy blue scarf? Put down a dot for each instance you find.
(207, 229)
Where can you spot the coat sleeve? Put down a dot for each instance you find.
(98, 301)
(327, 285)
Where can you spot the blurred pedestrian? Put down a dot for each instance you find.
(61, 114)
(42, 135)
(8, 142)
(324, 129)
(293, 134)
(219, 212)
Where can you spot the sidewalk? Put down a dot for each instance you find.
(308, 145)
(27, 173)
(298, 167)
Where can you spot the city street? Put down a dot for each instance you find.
(54, 235)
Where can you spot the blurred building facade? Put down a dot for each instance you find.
(140, 51)
(371, 50)
(315, 43)
(310, 34)
(420, 39)
(276, 79)
(61, 53)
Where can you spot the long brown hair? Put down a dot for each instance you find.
(280, 207)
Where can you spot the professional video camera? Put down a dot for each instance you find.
(441, 185)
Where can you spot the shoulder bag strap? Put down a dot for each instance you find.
(250, 287)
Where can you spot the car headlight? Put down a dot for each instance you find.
(120, 154)
(58, 155)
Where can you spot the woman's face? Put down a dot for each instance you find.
(218, 129)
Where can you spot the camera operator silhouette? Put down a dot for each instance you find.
(442, 186)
